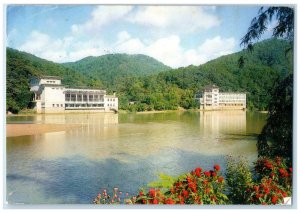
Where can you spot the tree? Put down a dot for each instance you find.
(276, 136)
(283, 29)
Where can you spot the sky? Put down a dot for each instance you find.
(175, 35)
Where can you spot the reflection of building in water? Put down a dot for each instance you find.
(211, 99)
(229, 122)
(90, 130)
(50, 96)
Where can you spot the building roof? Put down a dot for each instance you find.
(53, 85)
(211, 86)
(50, 77)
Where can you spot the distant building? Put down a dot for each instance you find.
(212, 99)
(50, 96)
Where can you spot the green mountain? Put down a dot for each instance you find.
(138, 78)
(112, 67)
(263, 68)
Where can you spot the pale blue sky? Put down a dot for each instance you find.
(175, 35)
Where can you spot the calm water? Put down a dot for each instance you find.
(120, 150)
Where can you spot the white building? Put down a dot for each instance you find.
(212, 99)
(50, 96)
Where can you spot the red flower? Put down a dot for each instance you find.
(274, 199)
(213, 174)
(282, 171)
(141, 193)
(220, 179)
(267, 190)
(198, 171)
(256, 188)
(155, 201)
(258, 196)
(284, 194)
(291, 169)
(268, 165)
(207, 190)
(205, 182)
(217, 167)
(188, 179)
(152, 192)
(169, 201)
(264, 203)
(272, 175)
(144, 201)
(185, 193)
(172, 190)
(207, 173)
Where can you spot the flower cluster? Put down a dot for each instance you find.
(105, 198)
(277, 170)
(271, 185)
(266, 193)
(196, 187)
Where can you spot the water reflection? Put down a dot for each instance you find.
(127, 150)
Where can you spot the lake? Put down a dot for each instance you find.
(120, 150)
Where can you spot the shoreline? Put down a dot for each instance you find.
(15, 130)
(141, 112)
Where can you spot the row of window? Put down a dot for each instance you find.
(84, 105)
(51, 82)
(80, 105)
(57, 88)
(72, 97)
(57, 105)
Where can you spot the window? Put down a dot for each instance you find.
(67, 97)
(62, 105)
(84, 97)
(53, 105)
(57, 105)
(73, 97)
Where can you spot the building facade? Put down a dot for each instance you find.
(212, 99)
(50, 96)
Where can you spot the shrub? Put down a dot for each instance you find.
(238, 178)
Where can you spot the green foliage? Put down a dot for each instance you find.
(112, 67)
(164, 182)
(284, 27)
(239, 178)
(276, 138)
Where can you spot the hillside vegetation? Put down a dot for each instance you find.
(150, 84)
(113, 67)
(266, 65)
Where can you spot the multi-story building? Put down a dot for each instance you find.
(50, 96)
(212, 99)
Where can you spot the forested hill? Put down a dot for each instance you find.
(21, 66)
(263, 67)
(267, 63)
(110, 68)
